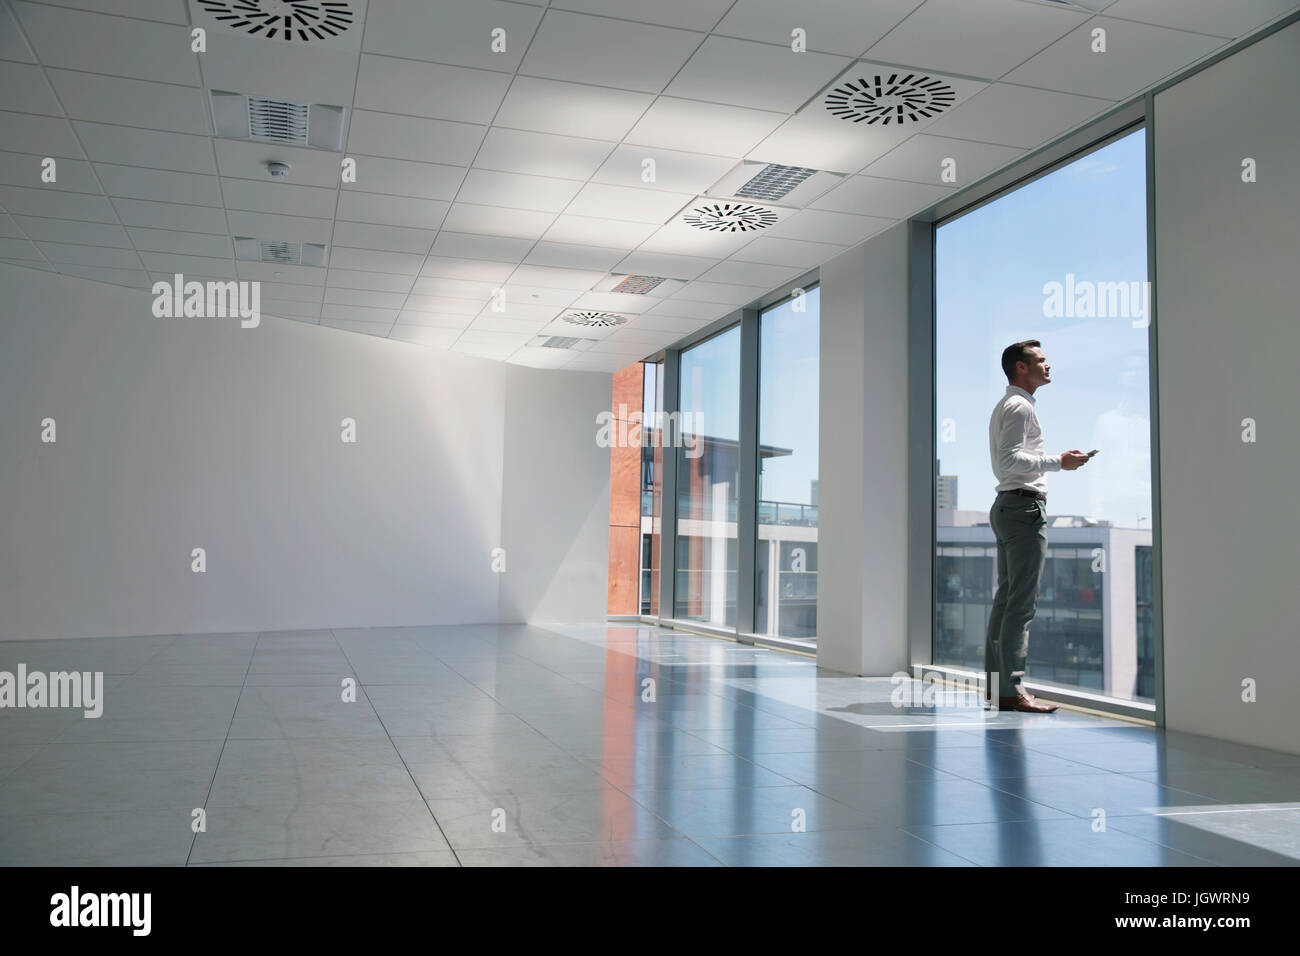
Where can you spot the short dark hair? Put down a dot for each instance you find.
(1017, 353)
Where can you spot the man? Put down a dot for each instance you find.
(1019, 520)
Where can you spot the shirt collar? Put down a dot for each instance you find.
(1017, 390)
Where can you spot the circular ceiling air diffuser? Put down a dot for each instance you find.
(730, 217)
(890, 99)
(595, 320)
(298, 20)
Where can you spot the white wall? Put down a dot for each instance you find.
(1227, 289)
(183, 433)
(556, 507)
(862, 483)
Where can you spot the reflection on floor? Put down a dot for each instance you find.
(594, 745)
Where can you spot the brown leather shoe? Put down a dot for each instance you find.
(1026, 704)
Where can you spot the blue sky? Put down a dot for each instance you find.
(1089, 219)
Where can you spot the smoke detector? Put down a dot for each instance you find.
(730, 217)
(562, 342)
(886, 99)
(774, 183)
(654, 286)
(236, 116)
(595, 320)
(277, 169)
(279, 252)
(295, 21)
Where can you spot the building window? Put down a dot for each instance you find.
(1062, 259)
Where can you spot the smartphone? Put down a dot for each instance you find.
(1093, 452)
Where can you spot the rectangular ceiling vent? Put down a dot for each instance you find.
(279, 252)
(266, 119)
(773, 183)
(562, 342)
(655, 286)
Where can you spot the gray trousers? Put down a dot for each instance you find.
(1020, 525)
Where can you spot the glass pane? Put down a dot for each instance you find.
(652, 470)
(707, 481)
(1062, 260)
(785, 585)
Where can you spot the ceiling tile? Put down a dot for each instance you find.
(1136, 57)
(539, 154)
(795, 253)
(182, 243)
(391, 210)
(921, 160)
(497, 221)
(266, 272)
(548, 277)
(703, 127)
(565, 255)
(668, 266)
(387, 238)
(40, 135)
(24, 201)
(1017, 115)
(409, 137)
(299, 73)
(371, 260)
(289, 308)
(672, 171)
(719, 292)
(279, 198)
(9, 229)
(131, 278)
(687, 14)
(614, 302)
(470, 269)
(890, 198)
(108, 99)
(846, 27)
(517, 294)
(368, 281)
(380, 300)
(433, 90)
(166, 215)
(975, 37)
(378, 329)
(113, 45)
(540, 357)
(188, 265)
(23, 88)
(22, 249)
(12, 44)
(444, 287)
(282, 291)
(493, 248)
(700, 312)
(422, 335)
(604, 201)
(401, 177)
(1203, 16)
(750, 274)
(756, 75)
(238, 159)
(256, 225)
(606, 52)
(356, 313)
(27, 169)
(440, 320)
(131, 146)
(818, 225)
(85, 233)
(168, 11)
(162, 185)
(610, 233)
(541, 194)
(441, 305)
(570, 109)
(458, 32)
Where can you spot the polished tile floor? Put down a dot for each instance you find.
(594, 745)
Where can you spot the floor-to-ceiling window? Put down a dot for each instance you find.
(1063, 260)
(708, 458)
(785, 556)
(652, 470)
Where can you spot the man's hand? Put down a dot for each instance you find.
(1073, 459)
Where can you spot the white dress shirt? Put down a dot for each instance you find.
(1016, 444)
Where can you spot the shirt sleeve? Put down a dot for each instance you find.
(1013, 458)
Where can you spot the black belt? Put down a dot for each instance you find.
(1027, 493)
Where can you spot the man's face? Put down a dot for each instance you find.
(1038, 372)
